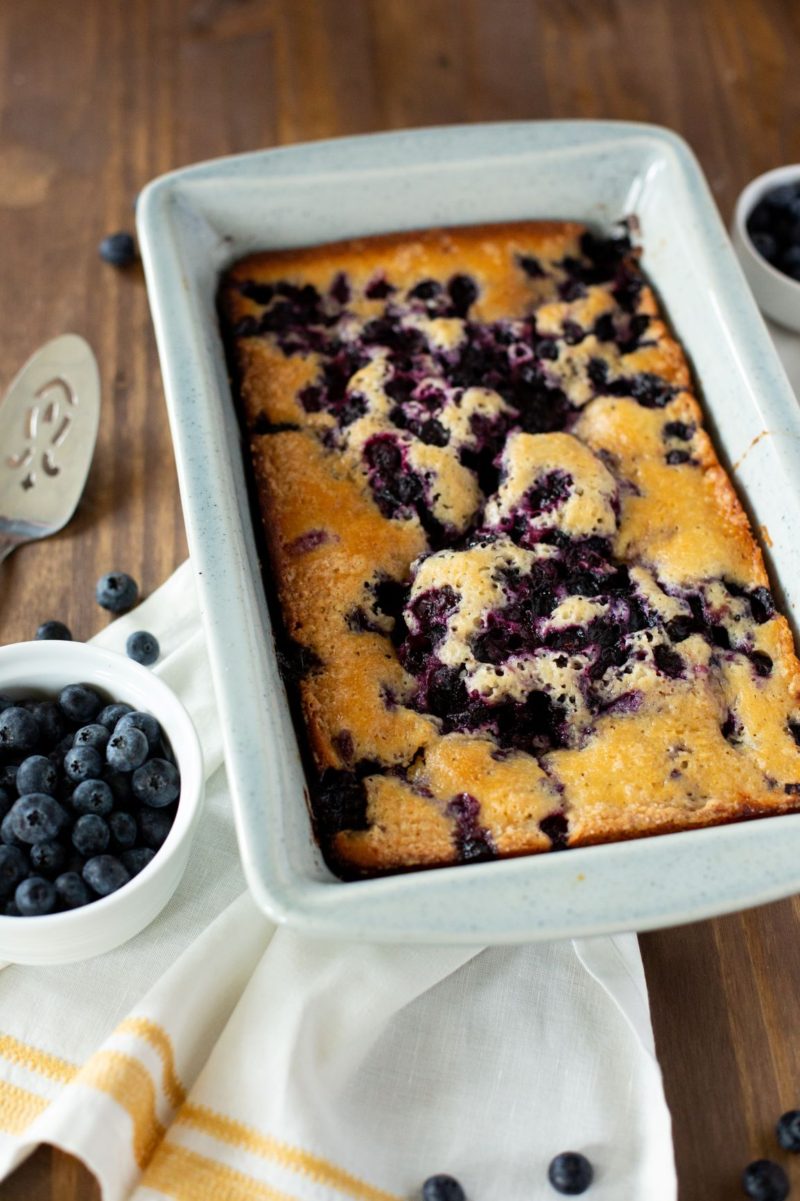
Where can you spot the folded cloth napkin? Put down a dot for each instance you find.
(216, 1056)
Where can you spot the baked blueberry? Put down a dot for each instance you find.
(118, 249)
(93, 796)
(13, 869)
(54, 630)
(90, 835)
(442, 1188)
(570, 1173)
(35, 897)
(788, 1130)
(19, 730)
(142, 647)
(83, 763)
(156, 783)
(765, 1180)
(117, 592)
(127, 748)
(105, 874)
(37, 774)
(79, 703)
(72, 891)
(37, 817)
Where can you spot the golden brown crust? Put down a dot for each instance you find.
(663, 696)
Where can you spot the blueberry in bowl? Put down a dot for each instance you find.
(766, 235)
(101, 782)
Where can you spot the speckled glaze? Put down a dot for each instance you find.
(192, 225)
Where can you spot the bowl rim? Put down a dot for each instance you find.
(747, 200)
(190, 762)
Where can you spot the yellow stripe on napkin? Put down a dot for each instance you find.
(129, 1083)
(18, 1108)
(186, 1176)
(35, 1060)
(161, 1043)
(319, 1170)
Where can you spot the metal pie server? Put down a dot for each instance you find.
(48, 430)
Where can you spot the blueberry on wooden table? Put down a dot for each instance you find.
(788, 1130)
(142, 647)
(118, 249)
(570, 1173)
(117, 592)
(54, 631)
(764, 1180)
(442, 1188)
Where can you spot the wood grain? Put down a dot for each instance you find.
(99, 96)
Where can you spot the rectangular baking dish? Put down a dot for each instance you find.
(192, 224)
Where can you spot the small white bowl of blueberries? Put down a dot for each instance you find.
(766, 234)
(101, 781)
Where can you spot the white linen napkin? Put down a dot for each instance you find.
(217, 1056)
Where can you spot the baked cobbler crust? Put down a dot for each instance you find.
(522, 601)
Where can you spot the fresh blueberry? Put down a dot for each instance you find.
(764, 1180)
(37, 817)
(95, 735)
(105, 874)
(442, 1188)
(6, 801)
(93, 796)
(13, 869)
(5, 701)
(35, 896)
(789, 262)
(8, 778)
(155, 825)
(7, 835)
(142, 647)
(48, 858)
(788, 1130)
(71, 890)
(144, 722)
(90, 835)
(137, 859)
(156, 783)
(127, 748)
(55, 631)
(60, 751)
(118, 249)
(83, 763)
(120, 784)
(109, 716)
(124, 829)
(117, 592)
(570, 1173)
(19, 729)
(53, 724)
(10, 909)
(37, 774)
(766, 245)
(79, 702)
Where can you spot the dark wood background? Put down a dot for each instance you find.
(99, 96)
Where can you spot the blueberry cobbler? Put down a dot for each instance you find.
(522, 603)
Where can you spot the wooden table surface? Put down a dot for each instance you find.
(99, 96)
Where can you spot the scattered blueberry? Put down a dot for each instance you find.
(118, 249)
(19, 729)
(156, 783)
(117, 592)
(90, 835)
(48, 858)
(124, 829)
(37, 817)
(72, 891)
(109, 716)
(54, 630)
(105, 874)
(83, 763)
(13, 869)
(788, 1130)
(95, 735)
(127, 748)
(570, 1173)
(442, 1188)
(137, 859)
(93, 796)
(764, 1180)
(37, 774)
(142, 647)
(35, 897)
(79, 703)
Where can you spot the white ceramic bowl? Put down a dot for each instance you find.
(777, 295)
(43, 669)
